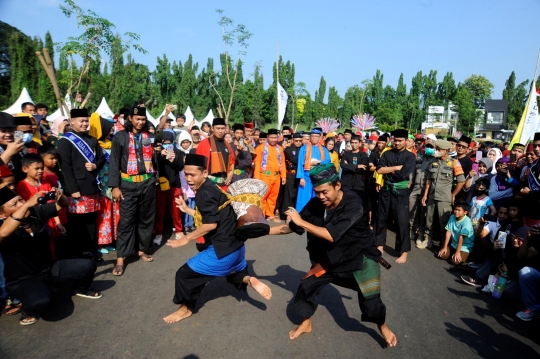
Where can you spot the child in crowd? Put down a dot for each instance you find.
(184, 141)
(481, 203)
(7, 178)
(33, 167)
(460, 231)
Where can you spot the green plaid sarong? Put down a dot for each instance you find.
(369, 278)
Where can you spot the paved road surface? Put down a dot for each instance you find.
(430, 310)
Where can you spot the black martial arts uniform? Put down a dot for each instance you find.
(189, 283)
(78, 179)
(352, 177)
(243, 162)
(350, 257)
(29, 268)
(290, 190)
(372, 194)
(395, 200)
(138, 208)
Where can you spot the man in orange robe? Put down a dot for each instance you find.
(270, 168)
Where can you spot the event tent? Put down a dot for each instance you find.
(104, 110)
(16, 107)
(209, 118)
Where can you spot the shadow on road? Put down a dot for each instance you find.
(289, 278)
(219, 287)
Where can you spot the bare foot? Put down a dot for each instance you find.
(381, 248)
(182, 313)
(260, 288)
(402, 258)
(305, 327)
(388, 335)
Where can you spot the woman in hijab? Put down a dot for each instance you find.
(494, 154)
(59, 127)
(109, 214)
(485, 166)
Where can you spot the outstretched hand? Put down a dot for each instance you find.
(293, 215)
(180, 242)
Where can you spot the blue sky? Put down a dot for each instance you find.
(344, 41)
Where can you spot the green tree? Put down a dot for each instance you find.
(516, 96)
(465, 106)
(481, 89)
(98, 36)
(352, 103)
(318, 105)
(446, 90)
(228, 69)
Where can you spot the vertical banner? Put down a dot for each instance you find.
(282, 103)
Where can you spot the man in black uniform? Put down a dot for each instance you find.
(131, 175)
(291, 186)
(243, 166)
(372, 193)
(354, 164)
(341, 249)
(396, 165)
(222, 254)
(462, 149)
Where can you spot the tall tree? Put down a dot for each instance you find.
(318, 105)
(446, 90)
(516, 96)
(481, 89)
(465, 106)
(334, 103)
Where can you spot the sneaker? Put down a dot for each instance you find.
(157, 240)
(103, 251)
(418, 241)
(474, 265)
(471, 281)
(527, 315)
(422, 245)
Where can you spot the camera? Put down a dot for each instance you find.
(47, 197)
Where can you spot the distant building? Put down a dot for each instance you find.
(494, 127)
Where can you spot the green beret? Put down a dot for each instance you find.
(322, 174)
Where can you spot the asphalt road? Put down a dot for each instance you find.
(432, 313)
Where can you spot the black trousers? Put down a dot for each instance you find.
(82, 229)
(305, 300)
(189, 284)
(289, 193)
(137, 215)
(34, 293)
(398, 206)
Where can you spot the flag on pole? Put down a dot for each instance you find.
(529, 122)
(282, 103)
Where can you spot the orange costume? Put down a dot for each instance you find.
(270, 168)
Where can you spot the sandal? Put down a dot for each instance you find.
(118, 270)
(145, 257)
(90, 293)
(12, 309)
(28, 320)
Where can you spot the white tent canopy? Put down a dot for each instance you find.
(209, 118)
(189, 115)
(16, 107)
(104, 110)
(171, 116)
(150, 118)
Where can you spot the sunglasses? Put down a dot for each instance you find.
(461, 146)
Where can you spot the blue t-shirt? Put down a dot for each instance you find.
(479, 207)
(463, 228)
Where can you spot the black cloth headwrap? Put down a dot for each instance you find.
(536, 136)
(218, 121)
(401, 133)
(272, 131)
(23, 121)
(6, 195)
(237, 127)
(138, 111)
(297, 135)
(78, 112)
(195, 160)
(7, 121)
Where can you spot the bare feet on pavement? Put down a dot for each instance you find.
(182, 313)
(305, 327)
(388, 335)
(402, 258)
(260, 288)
